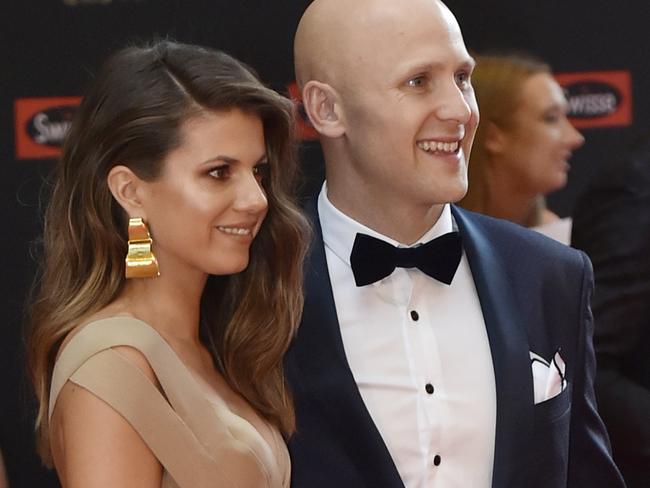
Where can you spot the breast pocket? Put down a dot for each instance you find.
(553, 408)
(550, 450)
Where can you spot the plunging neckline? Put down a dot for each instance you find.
(201, 410)
(218, 403)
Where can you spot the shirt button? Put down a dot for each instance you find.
(429, 388)
(436, 460)
(415, 316)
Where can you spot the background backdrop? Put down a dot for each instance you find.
(51, 48)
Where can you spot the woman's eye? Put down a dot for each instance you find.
(261, 171)
(552, 117)
(220, 172)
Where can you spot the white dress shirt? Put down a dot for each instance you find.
(420, 355)
(560, 230)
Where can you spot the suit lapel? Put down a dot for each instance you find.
(509, 347)
(327, 379)
(326, 374)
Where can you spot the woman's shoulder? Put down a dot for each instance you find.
(132, 339)
(95, 323)
(102, 331)
(100, 372)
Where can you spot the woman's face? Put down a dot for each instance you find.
(537, 145)
(208, 204)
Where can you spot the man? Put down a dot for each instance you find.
(611, 224)
(475, 372)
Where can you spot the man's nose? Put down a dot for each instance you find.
(454, 104)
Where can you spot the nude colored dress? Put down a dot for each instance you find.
(198, 442)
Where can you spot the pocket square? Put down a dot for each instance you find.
(548, 377)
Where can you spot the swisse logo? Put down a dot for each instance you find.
(50, 126)
(598, 99)
(592, 99)
(41, 125)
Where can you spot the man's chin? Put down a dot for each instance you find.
(452, 194)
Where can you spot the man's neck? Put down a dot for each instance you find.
(385, 216)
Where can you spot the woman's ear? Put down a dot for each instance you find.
(495, 139)
(125, 186)
(322, 105)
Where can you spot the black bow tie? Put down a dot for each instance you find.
(373, 259)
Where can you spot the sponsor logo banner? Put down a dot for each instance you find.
(598, 98)
(41, 125)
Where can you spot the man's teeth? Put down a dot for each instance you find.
(240, 231)
(433, 146)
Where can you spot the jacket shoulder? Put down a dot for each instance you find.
(514, 241)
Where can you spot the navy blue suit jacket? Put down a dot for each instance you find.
(534, 295)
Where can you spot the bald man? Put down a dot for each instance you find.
(438, 348)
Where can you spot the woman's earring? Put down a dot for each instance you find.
(140, 260)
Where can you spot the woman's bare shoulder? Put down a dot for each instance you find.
(113, 310)
(93, 445)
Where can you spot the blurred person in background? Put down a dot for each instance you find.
(523, 143)
(165, 369)
(611, 223)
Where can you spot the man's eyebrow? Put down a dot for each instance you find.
(470, 62)
(467, 63)
(421, 67)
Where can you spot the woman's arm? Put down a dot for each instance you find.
(94, 446)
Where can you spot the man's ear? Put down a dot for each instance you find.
(323, 108)
(496, 139)
(126, 188)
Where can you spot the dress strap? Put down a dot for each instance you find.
(226, 437)
(123, 386)
(99, 335)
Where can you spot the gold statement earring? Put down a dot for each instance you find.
(140, 260)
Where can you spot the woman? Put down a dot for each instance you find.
(165, 369)
(523, 143)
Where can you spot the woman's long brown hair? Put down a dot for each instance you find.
(497, 82)
(132, 115)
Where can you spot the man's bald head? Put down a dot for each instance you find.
(334, 36)
(319, 35)
(386, 84)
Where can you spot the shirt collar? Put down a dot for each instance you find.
(339, 230)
